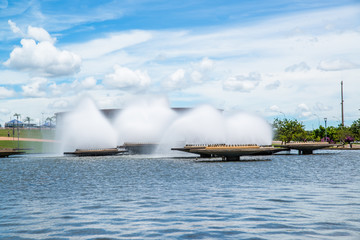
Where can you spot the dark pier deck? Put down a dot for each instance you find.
(306, 148)
(229, 152)
(95, 152)
(8, 152)
(140, 148)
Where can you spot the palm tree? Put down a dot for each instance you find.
(28, 120)
(50, 119)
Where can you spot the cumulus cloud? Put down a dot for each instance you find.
(37, 88)
(69, 88)
(206, 64)
(40, 34)
(300, 67)
(337, 65)
(43, 58)
(37, 54)
(303, 110)
(88, 82)
(242, 83)
(125, 78)
(6, 93)
(321, 107)
(273, 85)
(274, 108)
(176, 80)
(196, 76)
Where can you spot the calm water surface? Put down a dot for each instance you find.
(145, 197)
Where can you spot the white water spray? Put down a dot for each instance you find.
(144, 121)
(87, 128)
(153, 121)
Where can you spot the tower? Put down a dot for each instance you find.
(342, 104)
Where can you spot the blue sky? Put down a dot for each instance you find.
(274, 58)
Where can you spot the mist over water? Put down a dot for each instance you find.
(201, 125)
(153, 121)
(86, 127)
(245, 128)
(144, 121)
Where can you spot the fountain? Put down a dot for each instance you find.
(86, 128)
(150, 125)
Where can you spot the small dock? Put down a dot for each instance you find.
(6, 152)
(95, 152)
(229, 152)
(305, 148)
(139, 148)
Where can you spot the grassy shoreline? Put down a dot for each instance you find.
(30, 146)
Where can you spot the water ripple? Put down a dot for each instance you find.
(289, 197)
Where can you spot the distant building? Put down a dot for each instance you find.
(14, 123)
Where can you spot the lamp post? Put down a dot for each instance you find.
(17, 115)
(325, 119)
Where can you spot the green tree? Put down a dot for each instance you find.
(28, 120)
(51, 120)
(343, 133)
(289, 130)
(355, 129)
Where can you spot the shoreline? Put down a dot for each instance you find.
(27, 139)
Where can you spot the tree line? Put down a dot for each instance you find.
(288, 130)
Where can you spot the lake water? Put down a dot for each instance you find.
(147, 197)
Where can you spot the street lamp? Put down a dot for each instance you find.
(325, 119)
(17, 115)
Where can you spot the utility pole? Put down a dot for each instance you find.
(342, 104)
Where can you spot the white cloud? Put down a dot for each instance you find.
(303, 110)
(274, 108)
(206, 64)
(322, 107)
(300, 67)
(88, 82)
(37, 88)
(71, 88)
(337, 65)
(6, 93)
(43, 58)
(39, 34)
(196, 76)
(38, 55)
(242, 83)
(14, 28)
(111, 43)
(4, 111)
(273, 85)
(59, 104)
(125, 78)
(176, 80)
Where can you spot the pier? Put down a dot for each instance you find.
(95, 152)
(139, 148)
(305, 148)
(8, 152)
(229, 152)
